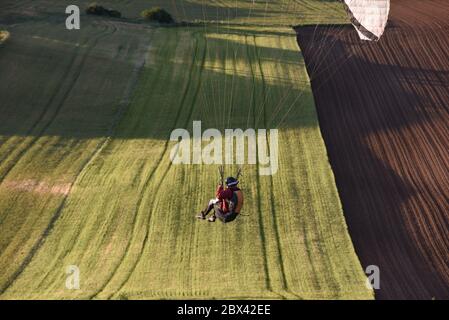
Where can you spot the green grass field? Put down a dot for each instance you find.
(85, 173)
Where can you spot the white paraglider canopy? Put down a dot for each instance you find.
(369, 17)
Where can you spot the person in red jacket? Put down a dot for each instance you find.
(227, 204)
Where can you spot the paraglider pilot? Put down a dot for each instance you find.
(227, 204)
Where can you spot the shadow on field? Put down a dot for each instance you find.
(71, 85)
(382, 118)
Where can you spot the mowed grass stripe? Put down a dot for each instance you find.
(73, 79)
(191, 82)
(271, 185)
(17, 146)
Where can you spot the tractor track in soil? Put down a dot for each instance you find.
(384, 112)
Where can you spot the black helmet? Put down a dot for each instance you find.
(231, 182)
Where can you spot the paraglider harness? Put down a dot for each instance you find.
(232, 204)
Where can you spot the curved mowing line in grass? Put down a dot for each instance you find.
(58, 212)
(192, 107)
(73, 80)
(159, 162)
(123, 107)
(273, 209)
(259, 199)
(129, 227)
(147, 181)
(4, 35)
(274, 226)
(44, 110)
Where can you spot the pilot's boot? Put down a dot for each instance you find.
(202, 215)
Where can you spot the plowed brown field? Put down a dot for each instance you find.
(384, 112)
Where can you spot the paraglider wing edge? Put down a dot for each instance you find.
(368, 34)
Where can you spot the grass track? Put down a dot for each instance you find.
(126, 213)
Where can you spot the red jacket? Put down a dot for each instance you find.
(223, 195)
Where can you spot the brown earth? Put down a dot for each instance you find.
(384, 113)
